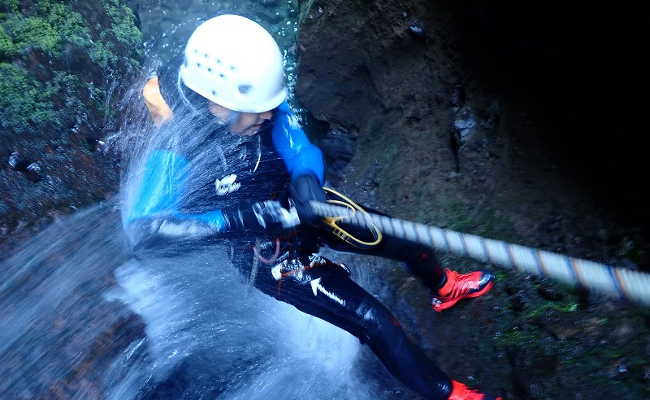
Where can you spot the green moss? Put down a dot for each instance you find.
(55, 24)
(68, 23)
(102, 53)
(517, 337)
(24, 102)
(52, 26)
(562, 307)
(482, 221)
(123, 23)
(9, 5)
(30, 106)
(7, 47)
(48, 96)
(75, 95)
(33, 32)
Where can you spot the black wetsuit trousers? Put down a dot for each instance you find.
(324, 289)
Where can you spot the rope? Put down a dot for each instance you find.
(616, 282)
(353, 207)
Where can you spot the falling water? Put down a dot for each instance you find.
(86, 317)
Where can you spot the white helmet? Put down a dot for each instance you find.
(235, 63)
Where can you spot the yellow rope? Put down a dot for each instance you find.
(343, 234)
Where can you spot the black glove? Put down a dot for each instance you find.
(263, 217)
(159, 233)
(304, 189)
(266, 216)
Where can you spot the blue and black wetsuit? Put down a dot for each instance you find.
(245, 170)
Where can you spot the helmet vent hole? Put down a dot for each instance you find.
(205, 55)
(244, 89)
(232, 68)
(218, 61)
(198, 65)
(222, 76)
(214, 92)
(209, 69)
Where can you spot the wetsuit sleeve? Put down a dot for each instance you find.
(154, 215)
(157, 200)
(300, 156)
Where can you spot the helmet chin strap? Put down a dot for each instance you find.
(182, 90)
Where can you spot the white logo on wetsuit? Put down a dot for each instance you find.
(226, 185)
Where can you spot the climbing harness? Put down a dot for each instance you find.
(274, 257)
(257, 258)
(354, 208)
(616, 282)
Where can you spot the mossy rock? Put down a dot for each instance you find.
(64, 65)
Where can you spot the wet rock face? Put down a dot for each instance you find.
(339, 148)
(76, 334)
(63, 70)
(460, 118)
(484, 111)
(17, 161)
(392, 62)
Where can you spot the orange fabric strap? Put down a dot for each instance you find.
(158, 108)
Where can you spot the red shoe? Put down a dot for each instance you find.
(462, 392)
(461, 286)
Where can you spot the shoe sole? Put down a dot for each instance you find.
(449, 304)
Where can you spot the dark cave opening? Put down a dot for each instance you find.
(581, 72)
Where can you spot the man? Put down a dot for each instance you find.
(231, 163)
